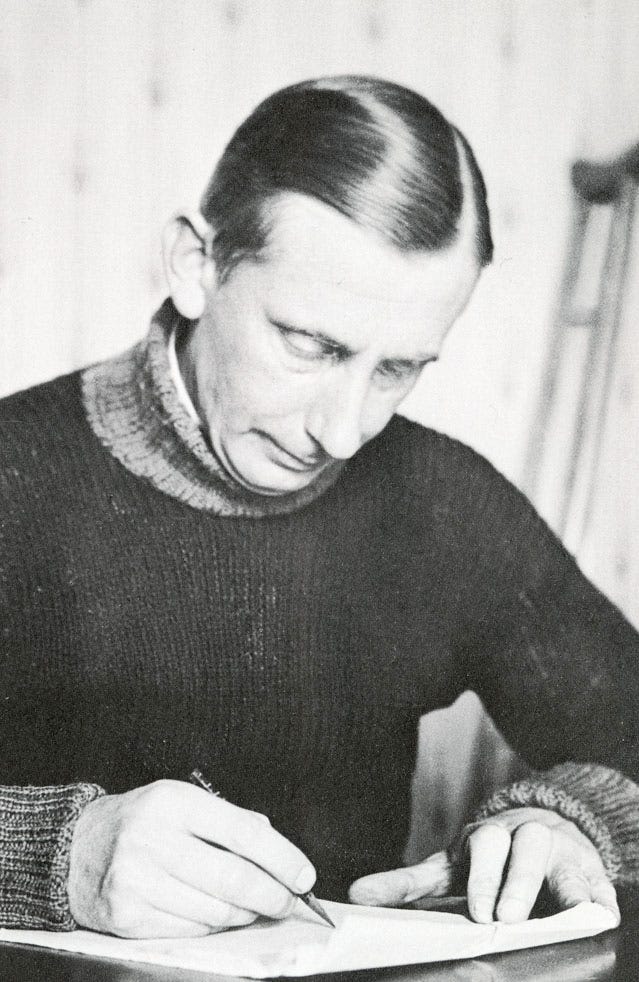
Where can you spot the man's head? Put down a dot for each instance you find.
(378, 153)
(340, 236)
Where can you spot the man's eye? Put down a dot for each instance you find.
(398, 371)
(304, 345)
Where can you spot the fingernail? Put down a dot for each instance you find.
(481, 910)
(305, 880)
(511, 911)
(368, 896)
(383, 889)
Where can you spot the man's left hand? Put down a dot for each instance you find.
(511, 855)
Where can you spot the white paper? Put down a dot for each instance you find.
(364, 937)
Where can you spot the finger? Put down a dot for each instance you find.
(568, 884)
(603, 892)
(171, 896)
(246, 834)
(431, 878)
(488, 847)
(529, 853)
(161, 925)
(229, 878)
(139, 919)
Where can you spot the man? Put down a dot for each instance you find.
(223, 549)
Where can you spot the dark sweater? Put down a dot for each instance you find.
(154, 618)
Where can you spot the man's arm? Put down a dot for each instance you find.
(554, 662)
(501, 864)
(594, 807)
(600, 801)
(170, 859)
(36, 829)
(558, 675)
(167, 859)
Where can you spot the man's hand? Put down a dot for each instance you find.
(171, 860)
(510, 855)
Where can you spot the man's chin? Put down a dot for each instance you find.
(276, 491)
(273, 482)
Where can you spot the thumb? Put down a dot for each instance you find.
(432, 878)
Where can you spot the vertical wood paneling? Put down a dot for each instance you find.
(39, 47)
(113, 151)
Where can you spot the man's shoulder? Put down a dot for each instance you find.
(413, 449)
(415, 469)
(40, 424)
(47, 400)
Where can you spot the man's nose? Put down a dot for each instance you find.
(338, 418)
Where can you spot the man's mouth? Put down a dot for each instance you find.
(305, 467)
(290, 461)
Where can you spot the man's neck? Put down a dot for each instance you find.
(134, 408)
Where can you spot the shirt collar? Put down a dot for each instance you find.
(134, 408)
(178, 381)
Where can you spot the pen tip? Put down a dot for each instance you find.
(312, 902)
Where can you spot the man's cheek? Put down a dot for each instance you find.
(274, 393)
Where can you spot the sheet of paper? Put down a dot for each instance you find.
(365, 937)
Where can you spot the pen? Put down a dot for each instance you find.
(196, 777)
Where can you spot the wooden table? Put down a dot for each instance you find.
(610, 956)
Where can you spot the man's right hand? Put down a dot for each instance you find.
(171, 860)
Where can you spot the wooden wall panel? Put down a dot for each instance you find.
(38, 223)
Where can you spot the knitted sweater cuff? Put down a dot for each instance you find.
(538, 791)
(36, 828)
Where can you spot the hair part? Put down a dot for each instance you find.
(379, 153)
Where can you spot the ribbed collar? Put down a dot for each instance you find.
(134, 409)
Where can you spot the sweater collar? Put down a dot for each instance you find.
(134, 409)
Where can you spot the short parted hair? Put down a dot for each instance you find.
(377, 152)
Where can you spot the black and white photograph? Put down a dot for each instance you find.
(319, 490)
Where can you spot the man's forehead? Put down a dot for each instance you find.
(312, 246)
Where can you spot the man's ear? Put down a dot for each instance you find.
(188, 266)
